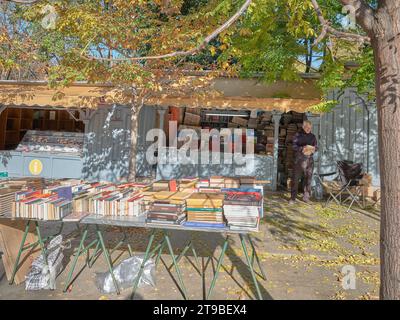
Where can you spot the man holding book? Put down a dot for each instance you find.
(304, 146)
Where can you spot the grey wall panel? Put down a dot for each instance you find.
(349, 132)
(46, 163)
(66, 167)
(53, 166)
(146, 123)
(11, 162)
(107, 152)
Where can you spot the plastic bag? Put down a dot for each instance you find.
(318, 190)
(125, 274)
(42, 276)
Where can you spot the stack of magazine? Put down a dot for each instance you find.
(242, 209)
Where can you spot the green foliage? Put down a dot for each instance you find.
(363, 77)
(324, 106)
(273, 38)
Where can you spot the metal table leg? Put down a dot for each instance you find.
(159, 252)
(149, 252)
(220, 259)
(178, 272)
(146, 256)
(188, 245)
(100, 248)
(41, 243)
(80, 251)
(23, 248)
(107, 257)
(255, 255)
(253, 275)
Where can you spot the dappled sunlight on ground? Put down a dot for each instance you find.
(302, 248)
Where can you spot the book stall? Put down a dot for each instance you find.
(257, 129)
(45, 153)
(228, 205)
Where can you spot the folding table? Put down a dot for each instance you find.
(140, 222)
(40, 240)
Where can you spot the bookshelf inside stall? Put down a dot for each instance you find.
(262, 124)
(15, 122)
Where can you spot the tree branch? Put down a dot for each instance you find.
(23, 1)
(364, 13)
(191, 52)
(327, 28)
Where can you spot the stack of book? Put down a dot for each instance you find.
(217, 182)
(247, 181)
(297, 117)
(7, 196)
(115, 200)
(242, 209)
(148, 199)
(109, 199)
(203, 183)
(117, 203)
(187, 184)
(204, 187)
(168, 208)
(161, 185)
(81, 195)
(26, 183)
(205, 210)
(232, 182)
(42, 206)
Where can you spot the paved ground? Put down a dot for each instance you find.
(302, 247)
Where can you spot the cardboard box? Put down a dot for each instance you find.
(377, 195)
(194, 111)
(191, 119)
(252, 124)
(240, 121)
(366, 180)
(368, 191)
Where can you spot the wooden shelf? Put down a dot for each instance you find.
(15, 122)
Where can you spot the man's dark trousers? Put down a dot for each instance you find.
(304, 165)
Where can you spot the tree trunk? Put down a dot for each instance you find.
(135, 110)
(386, 45)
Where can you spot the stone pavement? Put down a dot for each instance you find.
(302, 247)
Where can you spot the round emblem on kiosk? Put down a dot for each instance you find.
(35, 167)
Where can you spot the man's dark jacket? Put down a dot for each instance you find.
(302, 139)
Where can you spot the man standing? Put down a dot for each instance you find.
(304, 146)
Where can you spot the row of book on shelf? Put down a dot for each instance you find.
(218, 202)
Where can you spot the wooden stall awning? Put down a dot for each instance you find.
(33, 94)
(237, 103)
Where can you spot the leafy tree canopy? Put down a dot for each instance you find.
(93, 40)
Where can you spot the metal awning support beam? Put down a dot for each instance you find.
(73, 116)
(85, 115)
(2, 108)
(37, 107)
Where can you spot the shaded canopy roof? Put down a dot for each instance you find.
(236, 94)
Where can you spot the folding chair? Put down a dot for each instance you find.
(351, 175)
(333, 187)
(346, 183)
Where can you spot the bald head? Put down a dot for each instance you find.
(307, 126)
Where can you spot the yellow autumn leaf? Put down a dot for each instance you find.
(212, 50)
